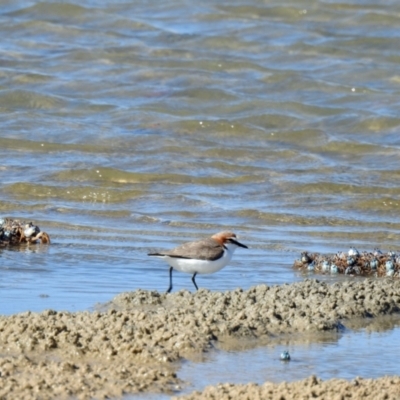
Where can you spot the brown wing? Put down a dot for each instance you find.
(208, 248)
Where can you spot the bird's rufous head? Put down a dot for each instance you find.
(227, 237)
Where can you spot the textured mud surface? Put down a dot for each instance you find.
(135, 343)
(310, 388)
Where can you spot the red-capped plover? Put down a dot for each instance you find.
(204, 256)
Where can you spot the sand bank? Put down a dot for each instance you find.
(135, 342)
(387, 388)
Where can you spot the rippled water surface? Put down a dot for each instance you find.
(333, 355)
(327, 355)
(133, 126)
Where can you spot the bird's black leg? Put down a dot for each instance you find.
(170, 280)
(193, 280)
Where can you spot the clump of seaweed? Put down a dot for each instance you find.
(353, 262)
(15, 232)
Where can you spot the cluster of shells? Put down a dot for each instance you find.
(373, 263)
(14, 231)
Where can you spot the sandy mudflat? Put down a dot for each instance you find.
(135, 344)
(310, 388)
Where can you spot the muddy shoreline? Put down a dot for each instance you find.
(310, 388)
(135, 342)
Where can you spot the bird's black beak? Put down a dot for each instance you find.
(238, 243)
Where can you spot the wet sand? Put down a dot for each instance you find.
(310, 388)
(135, 342)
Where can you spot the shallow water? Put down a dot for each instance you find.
(335, 355)
(133, 127)
(129, 127)
(327, 355)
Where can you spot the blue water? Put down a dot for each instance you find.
(345, 357)
(131, 127)
(327, 355)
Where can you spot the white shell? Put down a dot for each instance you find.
(28, 232)
(353, 252)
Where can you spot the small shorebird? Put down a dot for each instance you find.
(204, 256)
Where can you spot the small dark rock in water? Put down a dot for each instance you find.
(373, 263)
(285, 356)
